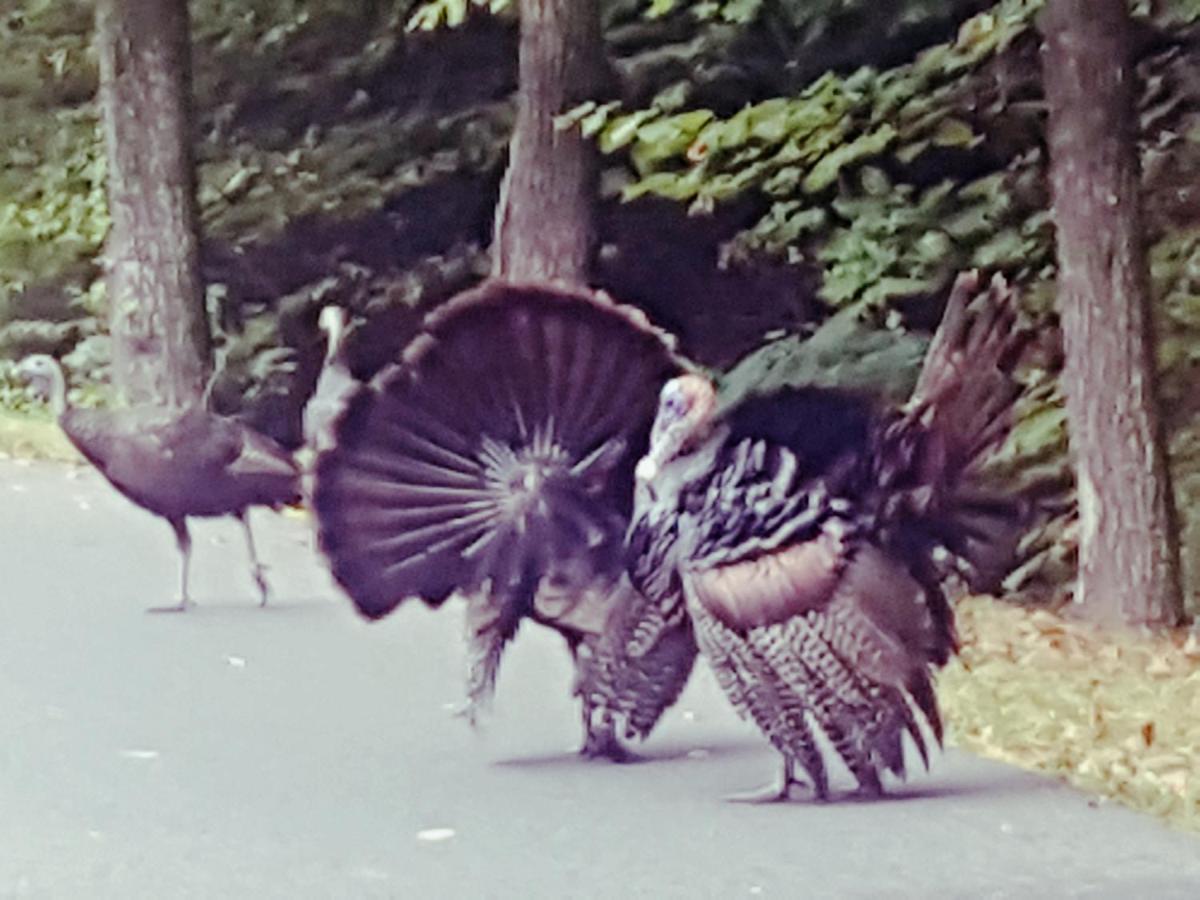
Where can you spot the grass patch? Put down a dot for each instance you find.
(29, 436)
(1112, 712)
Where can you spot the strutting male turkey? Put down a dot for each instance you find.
(495, 459)
(176, 462)
(805, 531)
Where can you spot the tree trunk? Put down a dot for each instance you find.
(161, 347)
(544, 228)
(1129, 546)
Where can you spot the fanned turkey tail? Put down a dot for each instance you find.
(963, 405)
(966, 389)
(496, 457)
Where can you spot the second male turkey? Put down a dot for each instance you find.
(808, 532)
(495, 460)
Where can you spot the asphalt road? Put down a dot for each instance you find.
(299, 752)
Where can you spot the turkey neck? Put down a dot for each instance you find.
(81, 426)
(58, 393)
(334, 346)
(334, 333)
(676, 475)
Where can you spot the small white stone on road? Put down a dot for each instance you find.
(689, 716)
(1006, 828)
(140, 754)
(698, 753)
(236, 662)
(433, 835)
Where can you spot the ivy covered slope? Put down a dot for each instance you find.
(770, 166)
(52, 209)
(350, 151)
(327, 172)
(885, 182)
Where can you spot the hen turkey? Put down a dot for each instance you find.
(335, 383)
(176, 462)
(807, 531)
(495, 459)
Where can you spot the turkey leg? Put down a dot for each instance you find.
(257, 570)
(600, 740)
(483, 662)
(775, 792)
(490, 625)
(184, 540)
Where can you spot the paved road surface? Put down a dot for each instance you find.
(299, 752)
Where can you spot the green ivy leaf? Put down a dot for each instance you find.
(865, 146)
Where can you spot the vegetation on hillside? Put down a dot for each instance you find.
(768, 165)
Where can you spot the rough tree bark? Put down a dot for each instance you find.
(1129, 550)
(544, 229)
(161, 346)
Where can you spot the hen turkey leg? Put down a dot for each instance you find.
(184, 539)
(257, 570)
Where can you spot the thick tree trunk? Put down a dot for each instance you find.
(544, 228)
(161, 348)
(1129, 552)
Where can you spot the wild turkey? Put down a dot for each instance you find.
(804, 531)
(176, 463)
(495, 459)
(334, 384)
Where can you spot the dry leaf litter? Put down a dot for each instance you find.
(1111, 712)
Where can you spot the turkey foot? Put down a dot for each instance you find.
(777, 791)
(182, 606)
(257, 569)
(471, 710)
(260, 579)
(602, 743)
